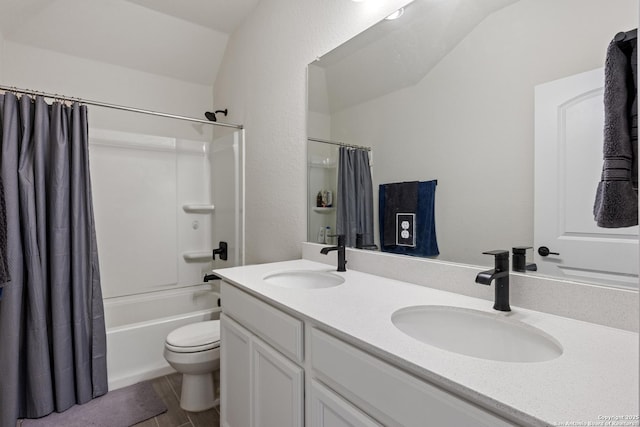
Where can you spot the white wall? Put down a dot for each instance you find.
(262, 81)
(27, 67)
(469, 122)
(44, 70)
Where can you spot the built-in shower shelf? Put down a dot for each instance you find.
(322, 210)
(198, 208)
(321, 165)
(200, 256)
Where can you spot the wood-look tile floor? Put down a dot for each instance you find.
(168, 389)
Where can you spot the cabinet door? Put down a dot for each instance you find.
(330, 410)
(235, 375)
(277, 388)
(388, 394)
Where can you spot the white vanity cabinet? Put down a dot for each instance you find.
(260, 387)
(264, 370)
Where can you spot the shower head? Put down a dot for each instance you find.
(212, 116)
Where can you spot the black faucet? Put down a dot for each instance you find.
(519, 262)
(501, 275)
(342, 261)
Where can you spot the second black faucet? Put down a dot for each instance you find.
(501, 276)
(342, 260)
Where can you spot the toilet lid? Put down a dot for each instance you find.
(199, 336)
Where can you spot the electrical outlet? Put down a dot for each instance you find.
(405, 229)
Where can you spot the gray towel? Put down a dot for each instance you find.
(616, 202)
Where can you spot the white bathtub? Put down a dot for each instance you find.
(138, 325)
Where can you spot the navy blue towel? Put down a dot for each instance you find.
(425, 227)
(400, 197)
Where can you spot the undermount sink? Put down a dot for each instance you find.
(304, 279)
(476, 333)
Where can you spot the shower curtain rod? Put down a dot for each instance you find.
(116, 107)
(342, 144)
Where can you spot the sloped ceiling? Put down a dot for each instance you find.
(180, 39)
(218, 15)
(396, 54)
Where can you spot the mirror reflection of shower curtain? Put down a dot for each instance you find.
(355, 197)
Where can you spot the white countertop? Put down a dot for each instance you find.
(595, 379)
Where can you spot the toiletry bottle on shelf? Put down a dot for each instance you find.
(321, 235)
(319, 200)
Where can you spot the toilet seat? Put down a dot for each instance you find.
(195, 337)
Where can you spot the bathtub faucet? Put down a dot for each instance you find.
(221, 251)
(208, 277)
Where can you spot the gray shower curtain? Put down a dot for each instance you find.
(355, 196)
(52, 331)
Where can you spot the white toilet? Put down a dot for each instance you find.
(194, 351)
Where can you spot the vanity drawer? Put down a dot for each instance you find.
(388, 394)
(282, 331)
(330, 410)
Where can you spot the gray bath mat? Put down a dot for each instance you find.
(119, 408)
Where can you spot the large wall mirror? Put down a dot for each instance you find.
(465, 91)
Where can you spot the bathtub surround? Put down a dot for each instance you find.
(183, 198)
(182, 192)
(52, 330)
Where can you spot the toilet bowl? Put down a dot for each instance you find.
(194, 351)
